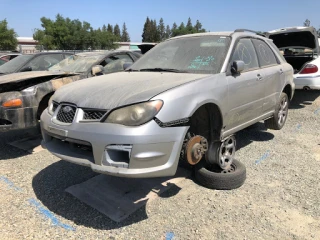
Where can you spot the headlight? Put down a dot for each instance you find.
(30, 90)
(135, 115)
(52, 106)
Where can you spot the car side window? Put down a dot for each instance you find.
(116, 63)
(43, 62)
(265, 54)
(245, 52)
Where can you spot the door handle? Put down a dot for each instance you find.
(281, 71)
(259, 77)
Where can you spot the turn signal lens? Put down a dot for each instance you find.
(12, 103)
(309, 68)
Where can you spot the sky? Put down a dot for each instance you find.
(260, 15)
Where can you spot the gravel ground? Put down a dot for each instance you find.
(279, 200)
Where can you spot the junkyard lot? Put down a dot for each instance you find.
(280, 198)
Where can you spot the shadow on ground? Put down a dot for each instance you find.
(9, 152)
(49, 186)
(255, 133)
(303, 98)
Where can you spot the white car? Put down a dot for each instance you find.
(300, 47)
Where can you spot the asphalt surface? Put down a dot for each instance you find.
(279, 200)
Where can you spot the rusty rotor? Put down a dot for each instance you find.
(195, 149)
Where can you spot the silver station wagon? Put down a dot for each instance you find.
(183, 100)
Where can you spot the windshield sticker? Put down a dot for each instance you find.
(199, 62)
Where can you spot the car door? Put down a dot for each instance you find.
(272, 72)
(246, 90)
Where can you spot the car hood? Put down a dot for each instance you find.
(118, 89)
(17, 77)
(19, 81)
(306, 37)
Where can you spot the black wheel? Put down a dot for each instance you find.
(280, 116)
(212, 176)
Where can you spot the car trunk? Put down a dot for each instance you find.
(300, 45)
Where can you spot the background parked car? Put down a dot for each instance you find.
(33, 62)
(6, 57)
(300, 47)
(24, 96)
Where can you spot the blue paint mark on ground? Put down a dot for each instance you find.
(49, 215)
(169, 235)
(264, 156)
(317, 111)
(299, 126)
(9, 183)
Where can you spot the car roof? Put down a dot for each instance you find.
(103, 53)
(236, 33)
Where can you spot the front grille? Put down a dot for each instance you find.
(66, 113)
(93, 114)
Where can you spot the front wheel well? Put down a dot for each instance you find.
(207, 122)
(288, 90)
(43, 104)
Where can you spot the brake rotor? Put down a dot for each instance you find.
(195, 149)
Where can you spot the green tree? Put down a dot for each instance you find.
(125, 35)
(306, 23)
(168, 32)
(110, 28)
(116, 31)
(8, 37)
(66, 34)
(198, 27)
(146, 34)
(189, 27)
(161, 30)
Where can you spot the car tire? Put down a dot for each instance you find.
(277, 121)
(213, 177)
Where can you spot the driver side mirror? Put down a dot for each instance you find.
(237, 67)
(97, 70)
(26, 69)
(126, 65)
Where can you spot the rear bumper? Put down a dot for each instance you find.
(312, 82)
(136, 152)
(17, 118)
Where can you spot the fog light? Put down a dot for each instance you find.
(12, 103)
(118, 155)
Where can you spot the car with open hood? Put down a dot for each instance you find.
(300, 48)
(24, 95)
(184, 99)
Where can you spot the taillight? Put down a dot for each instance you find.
(309, 68)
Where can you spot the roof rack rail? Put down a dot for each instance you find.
(247, 30)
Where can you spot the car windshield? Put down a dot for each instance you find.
(2, 62)
(15, 64)
(77, 63)
(204, 54)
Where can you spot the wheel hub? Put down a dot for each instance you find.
(195, 149)
(226, 153)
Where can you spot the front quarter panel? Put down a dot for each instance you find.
(182, 101)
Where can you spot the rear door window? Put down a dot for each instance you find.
(245, 52)
(265, 54)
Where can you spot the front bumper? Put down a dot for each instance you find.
(136, 152)
(17, 118)
(312, 82)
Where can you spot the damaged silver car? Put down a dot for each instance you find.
(184, 99)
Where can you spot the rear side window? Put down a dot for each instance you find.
(245, 52)
(265, 54)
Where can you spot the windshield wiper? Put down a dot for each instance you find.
(162, 70)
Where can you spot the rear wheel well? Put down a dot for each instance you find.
(43, 104)
(288, 91)
(207, 122)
